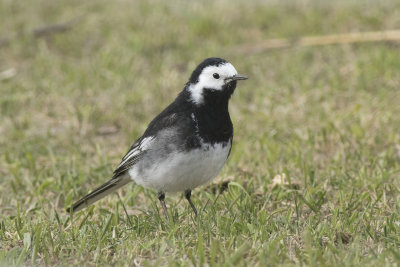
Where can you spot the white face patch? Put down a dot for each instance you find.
(207, 80)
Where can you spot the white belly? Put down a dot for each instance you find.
(184, 170)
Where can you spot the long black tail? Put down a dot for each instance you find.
(99, 193)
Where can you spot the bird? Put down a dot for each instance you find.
(186, 145)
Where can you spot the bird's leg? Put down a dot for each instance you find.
(188, 193)
(161, 197)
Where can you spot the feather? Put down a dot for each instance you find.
(100, 192)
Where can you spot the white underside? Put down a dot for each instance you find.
(183, 170)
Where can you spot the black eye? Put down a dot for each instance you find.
(216, 75)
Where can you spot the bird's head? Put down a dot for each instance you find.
(215, 77)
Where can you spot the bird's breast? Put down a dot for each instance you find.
(215, 129)
(185, 169)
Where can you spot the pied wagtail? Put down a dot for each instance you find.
(186, 145)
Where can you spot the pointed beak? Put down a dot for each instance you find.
(236, 77)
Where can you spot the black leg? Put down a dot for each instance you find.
(161, 197)
(188, 193)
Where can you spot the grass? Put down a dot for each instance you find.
(328, 118)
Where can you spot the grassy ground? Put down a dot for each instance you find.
(328, 118)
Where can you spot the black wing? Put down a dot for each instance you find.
(132, 156)
(139, 148)
(176, 112)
